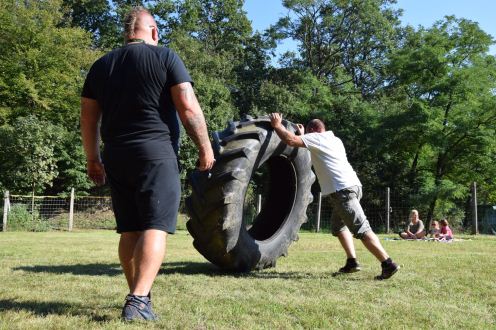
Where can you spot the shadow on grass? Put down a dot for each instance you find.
(206, 268)
(49, 308)
(184, 268)
(78, 269)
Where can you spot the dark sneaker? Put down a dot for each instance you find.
(387, 271)
(348, 268)
(138, 308)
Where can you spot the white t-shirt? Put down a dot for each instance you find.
(330, 162)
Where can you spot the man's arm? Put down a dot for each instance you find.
(193, 121)
(90, 123)
(288, 137)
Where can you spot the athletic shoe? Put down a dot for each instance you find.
(349, 267)
(137, 308)
(387, 271)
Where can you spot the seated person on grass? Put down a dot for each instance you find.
(435, 230)
(446, 233)
(415, 229)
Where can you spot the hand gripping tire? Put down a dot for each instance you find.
(215, 205)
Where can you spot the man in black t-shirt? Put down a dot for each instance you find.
(132, 94)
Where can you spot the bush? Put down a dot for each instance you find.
(20, 219)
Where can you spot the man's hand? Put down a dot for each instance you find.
(301, 129)
(275, 119)
(206, 160)
(286, 136)
(96, 172)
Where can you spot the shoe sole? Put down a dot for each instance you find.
(354, 270)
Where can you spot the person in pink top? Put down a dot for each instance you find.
(446, 234)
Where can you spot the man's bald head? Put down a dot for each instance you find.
(139, 23)
(315, 126)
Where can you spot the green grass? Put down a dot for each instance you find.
(62, 280)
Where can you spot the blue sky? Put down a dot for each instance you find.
(263, 13)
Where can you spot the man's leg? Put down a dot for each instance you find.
(346, 240)
(141, 255)
(372, 243)
(141, 265)
(148, 257)
(355, 219)
(127, 245)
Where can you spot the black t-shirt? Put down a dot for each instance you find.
(132, 86)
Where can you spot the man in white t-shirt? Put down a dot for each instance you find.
(338, 179)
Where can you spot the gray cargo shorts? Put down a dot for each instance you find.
(347, 212)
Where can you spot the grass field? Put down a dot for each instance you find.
(61, 280)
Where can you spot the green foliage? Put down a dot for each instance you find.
(96, 17)
(41, 63)
(71, 165)
(209, 38)
(21, 218)
(27, 155)
(343, 42)
(252, 72)
(447, 80)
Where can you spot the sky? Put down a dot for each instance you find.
(263, 13)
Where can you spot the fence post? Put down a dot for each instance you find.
(319, 203)
(475, 229)
(71, 210)
(388, 208)
(6, 204)
(259, 203)
(32, 205)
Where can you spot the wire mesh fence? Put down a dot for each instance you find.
(383, 210)
(383, 215)
(42, 213)
(35, 213)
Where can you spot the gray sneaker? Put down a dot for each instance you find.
(137, 308)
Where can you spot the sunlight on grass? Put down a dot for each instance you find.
(73, 280)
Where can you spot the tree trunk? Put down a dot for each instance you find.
(430, 213)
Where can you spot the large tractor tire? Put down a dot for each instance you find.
(216, 203)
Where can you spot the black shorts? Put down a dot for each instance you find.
(145, 195)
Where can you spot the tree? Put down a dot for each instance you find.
(42, 65)
(71, 165)
(27, 155)
(446, 77)
(346, 42)
(96, 17)
(252, 73)
(209, 36)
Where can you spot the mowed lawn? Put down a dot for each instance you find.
(62, 280)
